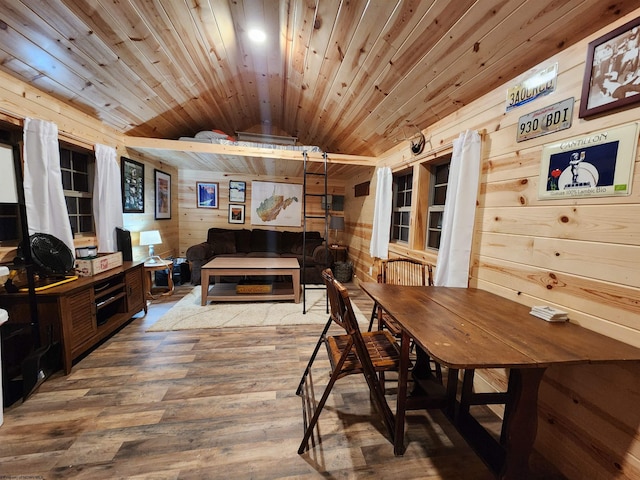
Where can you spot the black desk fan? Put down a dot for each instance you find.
(51, 256)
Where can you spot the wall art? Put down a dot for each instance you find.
(612, 72)
(163, 195)
(237, 191)
(132, 178)
(595, 165)
(236, 213)
(207, 195)
(277, 204)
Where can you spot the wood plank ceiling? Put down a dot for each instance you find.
(351, 76)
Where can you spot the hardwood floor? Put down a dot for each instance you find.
(216, 404)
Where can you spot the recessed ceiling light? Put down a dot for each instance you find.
(257, 36)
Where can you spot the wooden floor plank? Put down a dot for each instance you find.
(216, 403)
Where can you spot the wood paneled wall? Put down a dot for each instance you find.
(581, 255)
(195, 222)
(139, 222)
(18, 101)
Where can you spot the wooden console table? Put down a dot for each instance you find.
(81, 313)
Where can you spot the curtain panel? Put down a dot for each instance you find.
(107, 198)
(379, 247)
(44, 196)
(459, 212)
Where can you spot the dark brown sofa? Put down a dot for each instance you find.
(262, 243)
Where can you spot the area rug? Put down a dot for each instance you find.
(188, 314)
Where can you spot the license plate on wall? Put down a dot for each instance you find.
(550, 119)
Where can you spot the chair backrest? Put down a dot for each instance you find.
(340, 306)
(406, 271)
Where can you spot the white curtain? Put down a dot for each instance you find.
(379, 247)
(44, 196)
(107, 198)
(452, 269)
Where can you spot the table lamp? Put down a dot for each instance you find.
(336, 223)
(151, 238)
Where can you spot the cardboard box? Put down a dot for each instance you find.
(102, 263)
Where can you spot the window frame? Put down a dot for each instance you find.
(400, 212)
(78, 154)
(433, 207)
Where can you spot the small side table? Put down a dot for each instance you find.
(149, 268)
(339, 253)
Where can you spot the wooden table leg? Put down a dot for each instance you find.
(204, 282)
(401, 403)
(520, 423)
(170, 283)
(148, 281)
(295, 277)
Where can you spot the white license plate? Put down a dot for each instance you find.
(549, 119)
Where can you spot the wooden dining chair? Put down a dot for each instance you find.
(408, 272)
(400, 271)
(353, 352)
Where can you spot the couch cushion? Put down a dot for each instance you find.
(310, 246)
(265, 240)
(289, 239)
(215, 230)
(243, 240)
(224, 242)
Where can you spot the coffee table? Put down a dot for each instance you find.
(256, 266)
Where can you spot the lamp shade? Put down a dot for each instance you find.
(336, 223)
(150, 237)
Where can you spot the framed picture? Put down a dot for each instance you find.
(612, 72)
(207, 195)
(163, 194)
(599, 164)
(237, 191)
(132, 177)
(276, 204)
(236, 213)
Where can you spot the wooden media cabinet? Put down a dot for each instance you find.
(82, 313)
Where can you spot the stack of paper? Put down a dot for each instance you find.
(549, 314)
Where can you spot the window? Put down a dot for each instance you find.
(401, 216)
(76, 166)
(437, 196)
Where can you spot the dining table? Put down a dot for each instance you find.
(466, 329)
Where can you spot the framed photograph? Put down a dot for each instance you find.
(276, 204)
(163, 195)
(612, 72)
(207, 195)
(236, 213)
(599, 164)
(132, 177)
(237, 191)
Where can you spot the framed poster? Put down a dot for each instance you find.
(278, 204)
(236, 213)
(163, 195)
(207, 195)
(132, 177)
(612, 72)
(596, 165)
(237, 191)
